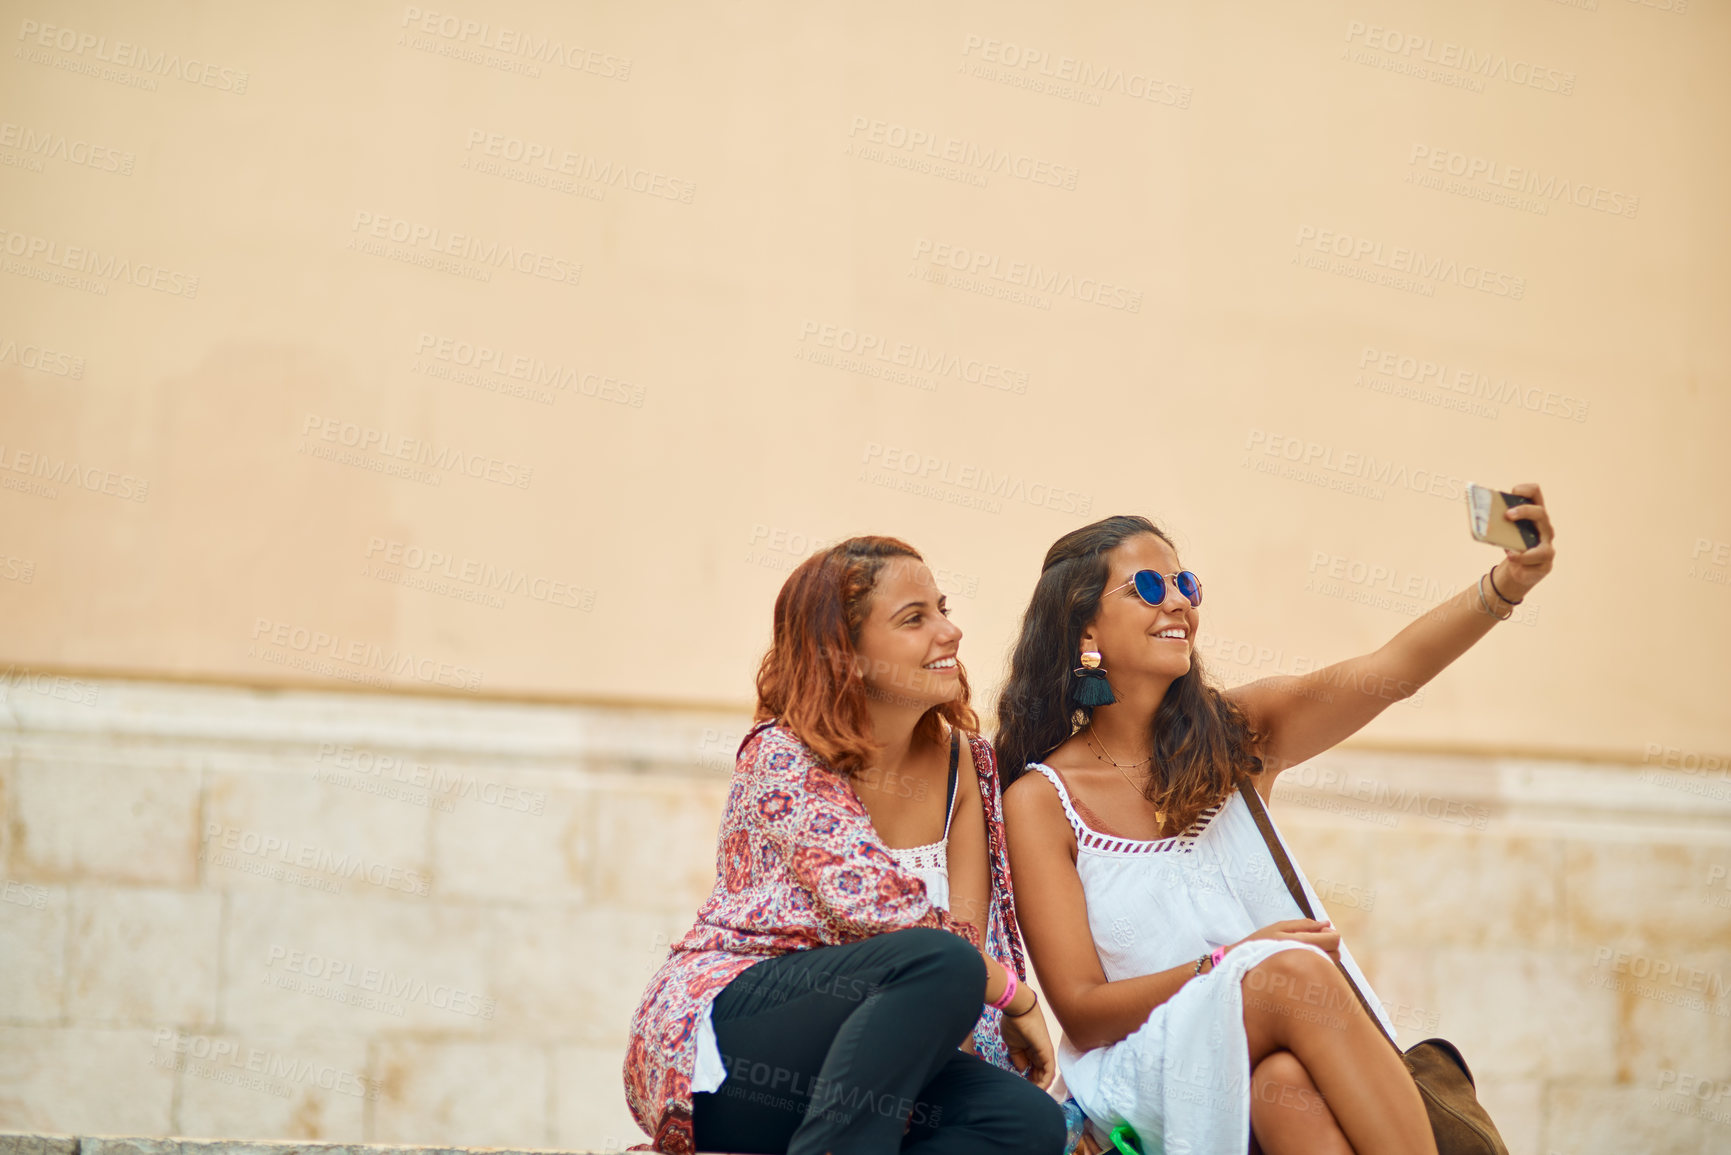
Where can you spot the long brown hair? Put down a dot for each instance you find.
(1201, 741)
(809, 679)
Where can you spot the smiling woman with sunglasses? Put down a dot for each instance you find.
(1197, 1005)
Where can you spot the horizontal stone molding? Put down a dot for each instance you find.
(144, 723)
(136, 716)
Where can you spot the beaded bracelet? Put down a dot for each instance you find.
(1212, 958)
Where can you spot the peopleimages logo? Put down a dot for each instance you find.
(1087, 75)
(1028, 275)
(1439, 375)
(912, 355)
(43, 144)
(135, 56)
(529, 368)
(40, 359)
(415, 236)
(67, 472)
(355, 764)
(304, 642)
(581, 166)
(323, 860)
(508, 41)
(932, 145)
(1325, 458)
(420, 451)
(106, 267)
(483, 575)
(345, 973)
(1399, 259)
(926, 470)
(1546, 187)
(253, 1068)
(1481, 65)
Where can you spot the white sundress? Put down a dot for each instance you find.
(1182, 1079)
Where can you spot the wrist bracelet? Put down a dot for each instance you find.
(1003, 1001)
(1214, 958)
(1492, 574)
(1200, 961)
(1480, 587)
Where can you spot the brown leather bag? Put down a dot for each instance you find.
(1459, 1123)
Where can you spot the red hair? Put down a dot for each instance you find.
(809, 680)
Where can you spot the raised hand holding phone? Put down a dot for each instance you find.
(1520, 514)
(1488, 509)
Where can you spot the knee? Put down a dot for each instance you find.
(1299, 976)
(1281, 1089)
(1280, 1070)
(942, 959)
(942, 973)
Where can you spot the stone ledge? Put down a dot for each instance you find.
(133, 715)
(25, 1143)
(137, 722)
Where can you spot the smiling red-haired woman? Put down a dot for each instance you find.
(854, 981)
(811, 677)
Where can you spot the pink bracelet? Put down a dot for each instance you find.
(1215, 956)
(1003, 1003)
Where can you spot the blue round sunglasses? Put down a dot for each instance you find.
(1151, 586)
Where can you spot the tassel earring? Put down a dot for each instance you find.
(1091, 689)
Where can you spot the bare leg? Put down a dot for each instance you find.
(1298, 1001)
(1287, 1113)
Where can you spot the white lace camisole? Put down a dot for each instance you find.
(931, 862)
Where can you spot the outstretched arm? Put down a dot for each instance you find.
(1300, 716)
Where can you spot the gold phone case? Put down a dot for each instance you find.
(1485, 507)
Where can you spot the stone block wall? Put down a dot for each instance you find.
(369, 918)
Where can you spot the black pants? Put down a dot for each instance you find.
(852, 1050)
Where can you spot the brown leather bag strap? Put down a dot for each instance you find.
(1290, 876)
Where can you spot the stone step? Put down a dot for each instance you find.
(25, 1143)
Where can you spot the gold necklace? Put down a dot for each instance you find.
(1159, 814)
(1095, 738)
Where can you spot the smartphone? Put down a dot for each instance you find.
(1485, 509)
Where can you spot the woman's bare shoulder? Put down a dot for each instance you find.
(1035, 814)
(1031, 794)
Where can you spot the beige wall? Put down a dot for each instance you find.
(201, 287)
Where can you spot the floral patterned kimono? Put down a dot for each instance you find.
(798, 865)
